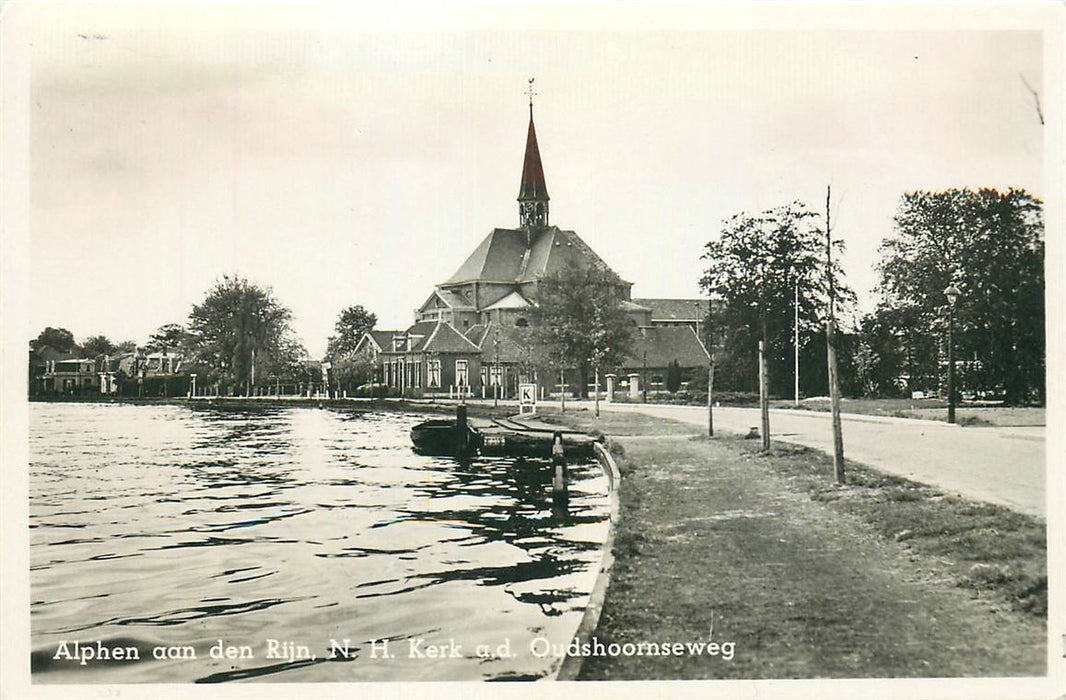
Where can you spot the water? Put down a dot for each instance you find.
(163, 527)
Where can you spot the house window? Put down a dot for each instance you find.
(433, 371)
(497, 372)
(461, 378)
(521, 323)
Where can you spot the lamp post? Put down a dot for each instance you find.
(495, 381)
(952, 294)
(644, 378)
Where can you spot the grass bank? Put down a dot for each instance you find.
(930, 409)
(879, 578)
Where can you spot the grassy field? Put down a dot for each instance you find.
(879, 578)
(930, 409)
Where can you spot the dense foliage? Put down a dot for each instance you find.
(352, 324)
(56, 338)
(754, 268)
(990, 246)
(348, 370)
(579, 321)
(240, 336)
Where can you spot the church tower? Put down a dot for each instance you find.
(533, 193)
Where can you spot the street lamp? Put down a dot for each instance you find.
(495, 380)
(952, 294)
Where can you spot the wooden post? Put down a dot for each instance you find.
(560, 487)
(562, 390)
(462, 431)
(710, 398)
(597, 389)
(764, 397)
(796, 345)
(831, 354)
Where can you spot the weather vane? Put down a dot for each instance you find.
(531, 93)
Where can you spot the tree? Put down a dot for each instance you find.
(352, 324)
(240, 335)
(56, 338)
(579, 321)
(989, 245)
(754, 268)
(97, 345)
(168, 336)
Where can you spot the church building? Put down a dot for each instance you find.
(468, 333)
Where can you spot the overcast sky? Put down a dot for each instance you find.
(341, 160)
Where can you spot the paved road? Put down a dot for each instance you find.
(997, 465)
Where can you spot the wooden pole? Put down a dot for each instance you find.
(597, 388)
(710, 397)
(764, 397)
(831, 354)
(796, 345)
(710, 370)
(562, 390)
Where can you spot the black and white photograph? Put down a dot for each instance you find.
(598, 349)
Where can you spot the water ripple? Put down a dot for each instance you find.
(344, 533)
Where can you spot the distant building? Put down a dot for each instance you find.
(469, 331)
(56, 373)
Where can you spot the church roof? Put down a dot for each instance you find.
(675, 309)
(532, 187)
(505, 256)
(663, 344)
(507, 344)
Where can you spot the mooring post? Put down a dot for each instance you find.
(462, 432)
(560, 487)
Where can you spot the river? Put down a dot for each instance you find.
(279, 544)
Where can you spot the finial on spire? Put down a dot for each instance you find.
(531, 93)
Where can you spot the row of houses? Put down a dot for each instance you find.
(56, 373)
(436, 358)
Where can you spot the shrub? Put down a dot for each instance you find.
(673, 376)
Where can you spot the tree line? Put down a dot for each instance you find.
(766, 279)
(988, 244)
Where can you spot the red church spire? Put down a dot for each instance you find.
(533, 193)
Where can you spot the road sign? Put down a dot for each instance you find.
(527, 398)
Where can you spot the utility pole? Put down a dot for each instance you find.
(710, 372)
(597, 384)
(644, 378)
(764, 394)
(562, 389)
(796, 345)
(831, 353)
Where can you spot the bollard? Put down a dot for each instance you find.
(462, 432)
(560, 487)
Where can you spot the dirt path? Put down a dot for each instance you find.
(712, 535)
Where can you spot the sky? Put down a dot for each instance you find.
(349, 158)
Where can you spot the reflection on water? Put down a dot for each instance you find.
(165, 528)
